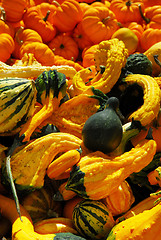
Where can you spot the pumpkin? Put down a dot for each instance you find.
(64, 46)
(149, 3)
(62, 17)
(151, 16)
(40, 204)
(6, 46)
(121, 200)
(99, 19)
(88, 56)
(149, 37)
(24, 36)
(80, 37)
(59, 61)
(37, 18)
(41, 51)
(98, 175)
(128, 37)
(92, 219)
(5, 27)
(127, 10)
(14, 9)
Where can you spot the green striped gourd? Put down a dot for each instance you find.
(92, 219)
(17, 100)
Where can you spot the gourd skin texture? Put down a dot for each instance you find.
(97, 175)
(145, 225)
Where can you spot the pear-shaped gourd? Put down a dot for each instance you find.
(103, 130)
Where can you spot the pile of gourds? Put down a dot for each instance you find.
(80, 121)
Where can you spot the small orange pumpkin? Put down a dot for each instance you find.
(67, 15)
(127, 10)
(6, 46)
(99, 20)
(149, 37)
(39, 18)
(88, 55)
(4, 26)
(65, 46)
(152, 17)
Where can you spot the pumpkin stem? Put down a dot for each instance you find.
(54, 2)
(105, 19)
(2, 14)
(47, 15)
(20, 42)
(157, 60)
(128, 3)
(147, 20)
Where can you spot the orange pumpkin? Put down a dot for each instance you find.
(24, 36)
(149, 37)
(59, 60)
(80, 37)
(127, 10)
(4, 26)
(152, 17)
(14, 9)
(64, 46)
(42, 53)
(67, 15)
(99, 20)
(39, 18)
(150, 3)
(6, 46)
(88, 56)
(84, 6)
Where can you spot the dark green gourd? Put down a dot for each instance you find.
(139, 63)
(103, 130)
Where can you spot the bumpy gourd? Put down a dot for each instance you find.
(152, 96)
(97, 175)
(110, 53)
(103, 130)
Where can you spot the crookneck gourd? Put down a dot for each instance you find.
(145, 225)
(110, 57)
(152, 97)
(97, 175)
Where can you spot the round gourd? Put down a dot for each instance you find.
(139, 63)
(103, 130)
(92, 219)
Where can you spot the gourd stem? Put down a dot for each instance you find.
(3, 15)
(157, 60)
(106, 19)
(147, 20)
(9, 174)
(47, 15)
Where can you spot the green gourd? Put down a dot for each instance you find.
(138, 63)
(103, 130)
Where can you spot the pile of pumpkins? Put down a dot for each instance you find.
(66, 197)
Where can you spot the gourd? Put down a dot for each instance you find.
(18, 97)
(55, 225)
(92, 219)
(139, 63)
(144, 225)
(98, 175)
(120, 200)
(112, 54)
(40, 204)
(151, 105)
(23, 228)
(103, 130)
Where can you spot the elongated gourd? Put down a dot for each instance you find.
(97, 175)
(145, 225)
(152, 96)
(113, 54)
